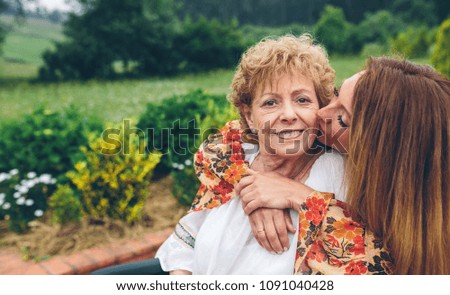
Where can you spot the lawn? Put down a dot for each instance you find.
(110, 100)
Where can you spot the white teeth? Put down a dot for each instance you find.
(288, 134)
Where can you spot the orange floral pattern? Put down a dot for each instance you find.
(330, 241)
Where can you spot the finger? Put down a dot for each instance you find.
(259, 231)
(271, 233)
(251, 172)
(281, 228)
(247, 194)
(243, 183)
(289, 224)
(251, 206)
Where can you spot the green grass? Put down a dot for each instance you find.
(24, 45)
(110, 100)
(115, 100)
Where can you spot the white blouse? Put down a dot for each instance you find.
(220, 241)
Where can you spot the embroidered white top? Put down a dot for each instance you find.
(220, 240)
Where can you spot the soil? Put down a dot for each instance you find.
(43, 240)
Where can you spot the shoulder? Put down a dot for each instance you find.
(327, 174)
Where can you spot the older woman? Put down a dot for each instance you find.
(393, 118)
(278, 87)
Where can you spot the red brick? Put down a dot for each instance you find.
(139, 247)
(103, 257)
(122, 253)
(35, 269)
(57, 266)
(81, 263)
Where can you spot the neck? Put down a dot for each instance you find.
(294, 168)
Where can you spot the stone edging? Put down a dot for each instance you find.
(86, 261)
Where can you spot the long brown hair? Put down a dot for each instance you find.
(399, 162)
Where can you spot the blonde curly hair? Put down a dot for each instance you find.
(273, 56)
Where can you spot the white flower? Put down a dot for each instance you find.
(175, 165)
(1, 202)
(17, 195)
(29, 202)
(4, 176)
(20, 201)
(31, 174)
(188, 162)
(2, 196)
(6, 206)
(45, 178)
(28, 183)
(13, 172)
(180, 167)
(23, 189)
(38, 213)
(52, 181)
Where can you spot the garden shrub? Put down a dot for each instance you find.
(113, 183)
(186, 182)
(374, 49)
(334, 31)
(253, 34)
(172, 124)
(45, 141)
(23, 199)
(64, 205)
(208, 44)
(414, 42)
(440, 57)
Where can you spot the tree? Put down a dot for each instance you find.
(333, 30)
(136, 34)
(440, 57)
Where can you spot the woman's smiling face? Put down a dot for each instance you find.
(283, 113)
(335, 118)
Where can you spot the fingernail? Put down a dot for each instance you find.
(279, 253)
(285, 249)
(272, 252)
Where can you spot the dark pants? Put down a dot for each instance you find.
(144, 267)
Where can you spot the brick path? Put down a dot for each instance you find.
(86, 261)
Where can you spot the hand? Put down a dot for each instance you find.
(270, 228)
(270, 190)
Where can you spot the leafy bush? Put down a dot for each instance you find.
(374, 49)
(334, 31)
(414, 42)
(65, 205)
(440, 57)
(378, 27)
(208, 44)
(186, 182)
(253, 34)
(114, 183)
(45, 141)
(172, 124)
(23, 199)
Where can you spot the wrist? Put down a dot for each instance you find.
(299, 197)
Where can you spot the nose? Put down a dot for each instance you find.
(288, 114)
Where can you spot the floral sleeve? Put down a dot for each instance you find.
(330, 241)
(219, 165)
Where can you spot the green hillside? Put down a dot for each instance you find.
(24, 44)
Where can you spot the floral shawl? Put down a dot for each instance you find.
(329, 240)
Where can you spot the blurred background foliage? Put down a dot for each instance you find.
(165, 66)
